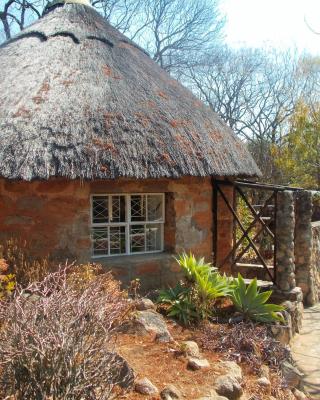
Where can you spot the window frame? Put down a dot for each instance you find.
(127, 224)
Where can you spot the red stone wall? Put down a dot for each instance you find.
(225, 225)
(54, 218)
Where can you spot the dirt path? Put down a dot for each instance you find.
(306, 350)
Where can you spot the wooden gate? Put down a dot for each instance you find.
(254, 212)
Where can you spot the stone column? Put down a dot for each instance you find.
(285, 241)
(303, 246)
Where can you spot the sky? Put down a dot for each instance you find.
(273, 23)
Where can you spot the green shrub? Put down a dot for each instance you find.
(193, 267)
(194, 299)
(179, 302)
(252, 304)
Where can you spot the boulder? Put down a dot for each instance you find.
(265, 384)
(229, 387)
(122, 373)
(145, 304)
(145, 386)
(299, 395)
(170, 392)
(231, 368)
(148, 321)
(213, 396)
(264, 372)
(190, 348)
(291, 375)
(197, 363)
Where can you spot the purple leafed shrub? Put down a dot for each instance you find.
(56, 341)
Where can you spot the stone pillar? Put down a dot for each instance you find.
(285, 241)
(303, 246)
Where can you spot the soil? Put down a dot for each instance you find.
(163, 364)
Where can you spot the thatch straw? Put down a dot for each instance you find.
(80, 100)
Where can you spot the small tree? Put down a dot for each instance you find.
(298, 159)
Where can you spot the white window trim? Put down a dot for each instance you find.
(126, 224)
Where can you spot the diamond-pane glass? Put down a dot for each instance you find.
(118, 209)
(137, 239)
(100, 241)
(117, 239)
(100, 210)
(138, 208)
(154, 205)
(153, 237)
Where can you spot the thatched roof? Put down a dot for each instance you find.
(80, 100)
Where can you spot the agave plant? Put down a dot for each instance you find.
(180, 303)
(252, 304)
(167, 296)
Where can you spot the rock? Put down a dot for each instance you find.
(148, 321)
(144, 386)
(145, 304)
(190, 348)
(197, 363)
(122, 374)
(213, 396)
(291, 375)
(229, 387)
(264, 372)
(231, 368)
(264, 383)
(283, 333)
(299, 395)
(170, 392)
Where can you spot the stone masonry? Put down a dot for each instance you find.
(303, 246)
(285, 241)
(315, 261)
(54, 218)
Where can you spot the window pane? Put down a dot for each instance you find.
(138, 208)
(100, 241)
(153, 237)
(100, 210)
(118, 209)
(137, 238)
(117, 239)
(154, 205)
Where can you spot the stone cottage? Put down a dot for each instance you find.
(103, 156)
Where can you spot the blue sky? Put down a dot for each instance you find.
(274, 23)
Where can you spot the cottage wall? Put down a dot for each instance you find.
(54, 217)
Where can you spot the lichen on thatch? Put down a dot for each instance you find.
(80, 100)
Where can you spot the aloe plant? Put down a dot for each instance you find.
(180, 303)
(193, 267)
(252, 304)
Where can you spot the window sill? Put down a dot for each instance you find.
(133, 258)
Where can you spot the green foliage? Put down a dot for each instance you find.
(298, 156)
(252, 304)
(167, 296)
(180, 303)
(193, 267)
(194, 300)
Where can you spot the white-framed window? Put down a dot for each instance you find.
(123, 224)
